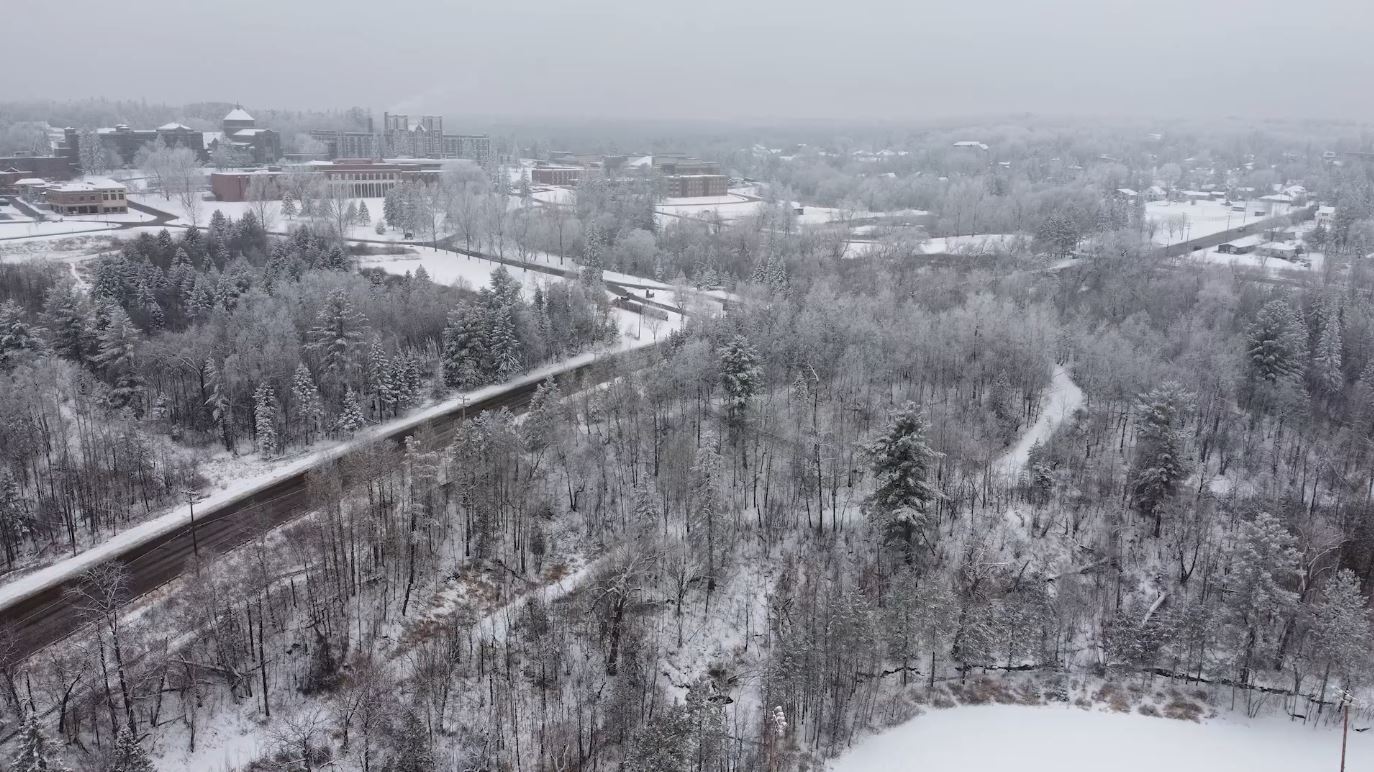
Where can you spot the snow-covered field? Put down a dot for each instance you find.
(976, 244)
(998, 738)
(276, 222)
(1201, 218)
(25, 229)
(450, 268)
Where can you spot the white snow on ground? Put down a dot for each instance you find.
(1204, 217)
(452, 268)
(553, 195)
(30, 229)
(731, 207)
(57, 573)
(691, 201)
(976, 244)
(276, 222)
(1060, 400)
(993, 738)
(1272, 265)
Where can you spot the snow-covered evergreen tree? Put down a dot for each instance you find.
(218, 403)
(118, 342)
(901, 459)
(1263, 564)
(338, 333)
(1159, 463)
(740, 376)
(364, 217)
(309, 408)
(37, 751)
(16, 337)
(414, 751)
(1342, 641)
(350, 417)
(129, 756)
(265, 421)
(1276, 342)
(1326, 364)
(288, 205)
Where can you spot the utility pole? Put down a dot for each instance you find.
(191, 504)
(1345, 725)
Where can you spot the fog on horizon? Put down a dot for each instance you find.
(765, 60)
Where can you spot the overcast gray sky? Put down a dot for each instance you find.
(715, 59)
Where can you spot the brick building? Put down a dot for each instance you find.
(53, 167)
(351, 177)
(556, 175)
(695, 185)
(95, 196)
(124, 143)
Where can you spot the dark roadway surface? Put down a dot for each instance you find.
(49, 615)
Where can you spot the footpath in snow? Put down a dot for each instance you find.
(1060, 401)
(992, 738)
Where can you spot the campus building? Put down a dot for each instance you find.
(402, 136)
(93, 196)
(123, 143)
(349, 178)
(240, 131)
(556, 175)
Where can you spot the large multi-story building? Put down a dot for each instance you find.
(556, 175)
(348, 144)
(424, 137)
(348, 177)
(123, 143)
(695, 185)
(240, 131)
(403, 137)
(686, 177)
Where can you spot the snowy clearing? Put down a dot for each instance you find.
(992, 738)
(976, 244)
(1202, 218)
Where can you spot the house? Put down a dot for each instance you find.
(1273, 204)
(1127, 194)
(1236, 248)
(1324, 216)
(1280, 250)
(969, 144)
(31, 189)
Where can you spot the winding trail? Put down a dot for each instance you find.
(1059, 402)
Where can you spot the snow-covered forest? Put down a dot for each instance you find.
(837, 490)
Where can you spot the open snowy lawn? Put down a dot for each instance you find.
(1203, 218)
(1270, 265)
(450, 268)
(30, 229)
(1006, 738)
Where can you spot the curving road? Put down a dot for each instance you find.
(50, 615)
